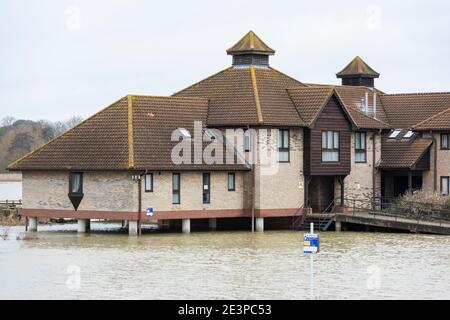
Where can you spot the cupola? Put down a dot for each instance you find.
(358, 73)
(250, 50)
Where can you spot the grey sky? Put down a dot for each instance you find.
(63, 58)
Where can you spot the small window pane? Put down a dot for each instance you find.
(360, 156)
(445, 185)
(176, 198)
(445, 141)
(247, 140)
(283, 156)
(149, 182)
(285, 138)
(324, 139)
(336, 140)
(75, 183)
(231, 182)
(330, 156)
(330, 140)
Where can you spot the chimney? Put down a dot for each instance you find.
(358, 73)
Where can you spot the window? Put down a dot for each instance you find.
(184, 132)
(283, 145)
(176, 188)
(360, 147)
(149, 182)
(395, 133)
(445, 141)
(206, 188)
(247, 140)
(330, 146)
(445, 185)
(231, 181)
(75, 182)
(409, 134)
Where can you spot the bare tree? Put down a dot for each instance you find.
(7, 121)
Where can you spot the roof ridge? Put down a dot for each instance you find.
(256, 94)
(29, 154)
(200, 81)
(295, 106)
(415, 93)
(130, 133)
(168, 97)
(432, 117)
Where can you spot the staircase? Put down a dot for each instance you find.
(322, 221)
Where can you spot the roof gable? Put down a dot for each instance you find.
(439, 121)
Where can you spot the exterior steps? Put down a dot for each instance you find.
(322, 222)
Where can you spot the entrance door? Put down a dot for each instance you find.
(321, 192)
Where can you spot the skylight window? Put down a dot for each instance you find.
(395, 133)
(409, 134)
(184, 132)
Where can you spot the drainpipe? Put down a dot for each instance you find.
(140, 202)
(435, 162)
(374, 185)
(254, 148)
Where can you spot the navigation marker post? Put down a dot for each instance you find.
(311, 246)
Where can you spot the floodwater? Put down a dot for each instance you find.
(10, 190)
(61, 264)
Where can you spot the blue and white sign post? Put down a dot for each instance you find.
(311, 246)
(149, 212)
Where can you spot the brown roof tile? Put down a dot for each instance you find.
(440, 121)
(233, 100)
(357, 67)
(402, 154)
(250, 43)
(133, 133)
(407, 110)
(310, 101)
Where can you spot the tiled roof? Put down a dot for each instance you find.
(402, 154)
(250, 43)
(310, 100)
(407, 110)
(241, 96)
(440, 121)
(357, 67)
(133, 133)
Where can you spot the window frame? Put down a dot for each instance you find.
(281, 145)
(247, 137)
(447, 134)
(176, 191)
(71, 174)
(448, 185)
(359, 150)
(145, 182)
(208, 190)
(231, 174)
(338, 149)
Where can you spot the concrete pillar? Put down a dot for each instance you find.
(32, 224)
(132, 228)
(186, 226)
(83, 225)
(213, 224)
(338, 226)
(259, 224)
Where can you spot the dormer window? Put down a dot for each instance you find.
(395, 133)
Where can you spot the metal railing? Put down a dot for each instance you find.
(10, 204)
(299, 217)
(397, 208)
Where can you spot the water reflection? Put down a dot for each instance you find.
(228, 265)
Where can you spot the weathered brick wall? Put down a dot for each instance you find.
(358, 184)
(279, 185)
(103, 191)
(191, 192)
(443, 165)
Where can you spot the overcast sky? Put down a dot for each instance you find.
(64, 58)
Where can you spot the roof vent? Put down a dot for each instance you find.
(250, 50)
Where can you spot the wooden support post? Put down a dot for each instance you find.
(410, 181)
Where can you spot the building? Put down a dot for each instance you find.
(295, 147)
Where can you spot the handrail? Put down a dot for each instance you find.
(299, 217)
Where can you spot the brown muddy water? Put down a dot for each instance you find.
(61, 264)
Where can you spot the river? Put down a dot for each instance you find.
(61, 264)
